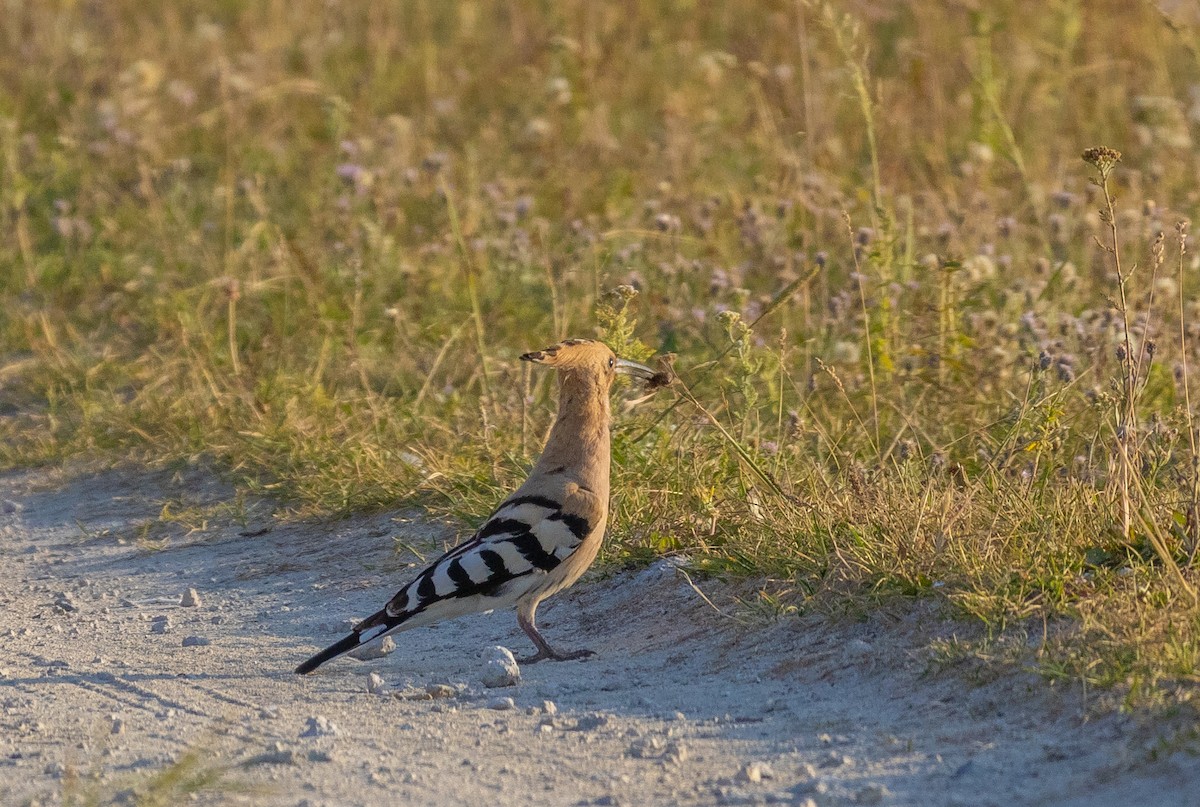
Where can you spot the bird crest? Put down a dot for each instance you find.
(572, 353)
(590, 355)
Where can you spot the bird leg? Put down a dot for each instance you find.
(545, 651)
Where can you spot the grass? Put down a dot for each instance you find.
(924, 349)
(193, 775)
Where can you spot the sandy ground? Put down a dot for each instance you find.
(106, 681)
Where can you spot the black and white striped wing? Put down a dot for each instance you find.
(524, 540)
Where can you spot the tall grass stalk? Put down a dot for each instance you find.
(1104, 160)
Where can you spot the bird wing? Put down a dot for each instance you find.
(527, 537)
(525, 540)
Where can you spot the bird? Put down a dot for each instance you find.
(543, 536)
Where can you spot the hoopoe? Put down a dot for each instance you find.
(543, 536)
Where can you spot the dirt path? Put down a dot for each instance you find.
(106, 681)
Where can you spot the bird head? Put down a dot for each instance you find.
(587, 356)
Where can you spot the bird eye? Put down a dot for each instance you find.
(611, 362)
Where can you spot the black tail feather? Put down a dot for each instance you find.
(344, 646)
(363, 633)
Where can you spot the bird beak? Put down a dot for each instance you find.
(634, 369)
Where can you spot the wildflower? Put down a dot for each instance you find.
(625, 292)
(666, 223)
(1103, 158)
(1063, 199)
(348, 172)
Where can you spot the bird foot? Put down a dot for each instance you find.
(553, 655)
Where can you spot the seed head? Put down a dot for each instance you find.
(1103, 158)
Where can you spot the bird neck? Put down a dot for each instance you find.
(579, 440)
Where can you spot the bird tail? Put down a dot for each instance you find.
(370, 628)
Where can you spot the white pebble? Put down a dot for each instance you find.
(501, 704)
(318, 726)
(500, 669)
(675, 754)
(190, 599)
(835, 760)
(373, 650)
(376, 684)
(755, 772)
(440, 691)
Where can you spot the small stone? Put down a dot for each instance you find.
(871, 794)
(501, 669)
(118, 725)
(9, 507)
(276, 755)
(268, 712)
(835, 760)
(196, 641)
(501, 704)
(675, 753)
(65, 603)
(755, 772)
(318, 726)
(590, 722)
(549, 708)
(440, 691)
(160, 624)
(373, 650)
(318, 755)
(190, 599)
(412, 694)
(376, 685)
(647, 748)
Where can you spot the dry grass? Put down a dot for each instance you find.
(924, 348)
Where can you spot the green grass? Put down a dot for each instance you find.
(309, 241)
